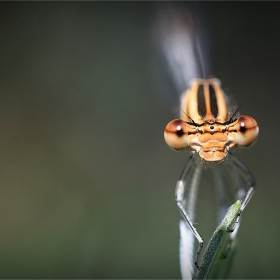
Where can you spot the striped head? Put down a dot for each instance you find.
(205, 125)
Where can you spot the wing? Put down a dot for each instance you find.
(182, 32)
(230, 180)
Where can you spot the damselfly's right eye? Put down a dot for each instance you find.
(176, 134)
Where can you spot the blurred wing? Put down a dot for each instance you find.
(230, 179)
(182, 33)
(186, 250)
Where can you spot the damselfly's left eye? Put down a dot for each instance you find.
(176, 134)
(247, 131)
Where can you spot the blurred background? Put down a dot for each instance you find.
(86, 179)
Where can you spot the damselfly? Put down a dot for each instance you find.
(206, 128)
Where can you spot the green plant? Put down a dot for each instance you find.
(218, 257)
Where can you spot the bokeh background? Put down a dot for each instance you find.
(86, 179)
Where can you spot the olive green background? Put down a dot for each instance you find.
(86, 179)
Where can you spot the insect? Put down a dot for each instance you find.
(207, 127)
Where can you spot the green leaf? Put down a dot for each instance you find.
(219, 254)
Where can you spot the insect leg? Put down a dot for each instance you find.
(191, 175)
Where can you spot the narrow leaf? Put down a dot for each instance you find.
(219, 254)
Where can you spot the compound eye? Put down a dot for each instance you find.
(176, 134)
(247, 131)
